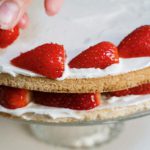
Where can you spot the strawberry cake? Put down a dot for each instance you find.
(93, 64)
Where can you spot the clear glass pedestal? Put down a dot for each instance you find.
(77, 136)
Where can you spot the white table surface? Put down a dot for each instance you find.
(16, 136)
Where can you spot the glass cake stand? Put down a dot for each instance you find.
(83, 134)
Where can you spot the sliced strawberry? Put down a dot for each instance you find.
(72, 101)
(13, 98)
(7, 37)
(138, 90)
(47, 60)
(101, 56)
(136, 44)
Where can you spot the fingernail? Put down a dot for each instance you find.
(8, 13)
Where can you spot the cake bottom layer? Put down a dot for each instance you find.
(112, 108)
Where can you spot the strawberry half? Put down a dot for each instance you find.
(7, 37)
(72, 101)
(138, 90)
(101, 56)
(136, 44)
(47, 60)
(13, 98)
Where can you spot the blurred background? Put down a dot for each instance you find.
(17, 136)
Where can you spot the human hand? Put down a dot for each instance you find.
(13, 12)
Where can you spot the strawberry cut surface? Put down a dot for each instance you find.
(13, 98)
(136, 44)
(71, 101)
(7, 37)
(47, 60)
(138, 90)
(100, 55)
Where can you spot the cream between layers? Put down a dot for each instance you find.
(56, 113)
(79, 25)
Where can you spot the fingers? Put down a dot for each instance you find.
(11, 12)
(24, 22)
(52, 7)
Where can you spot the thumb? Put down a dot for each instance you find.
(11, 12)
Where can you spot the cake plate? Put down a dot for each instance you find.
(79, 134)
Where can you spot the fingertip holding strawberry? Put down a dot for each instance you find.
(7, 37)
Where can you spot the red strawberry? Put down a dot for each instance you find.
(47, 60)
(72, 101)
(136, 44)
(13, 98)
(7, 37)
(101, 56)
(138, 90)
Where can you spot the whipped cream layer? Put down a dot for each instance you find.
(79, 25)
(55, 113)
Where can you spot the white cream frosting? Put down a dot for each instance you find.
(69, 113)
(79, 25)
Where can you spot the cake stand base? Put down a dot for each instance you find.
(77, 136)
